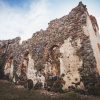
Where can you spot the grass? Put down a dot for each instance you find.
(9, 92)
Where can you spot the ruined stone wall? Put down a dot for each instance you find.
(92, 31)
(70, 46)
(7, 51)
(70, 64)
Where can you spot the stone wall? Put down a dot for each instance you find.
(69, 47)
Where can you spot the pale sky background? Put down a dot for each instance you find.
(25, 17)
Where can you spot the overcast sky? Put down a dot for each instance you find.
(25, 17)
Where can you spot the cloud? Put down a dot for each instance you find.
(25, 20)
(17, 22)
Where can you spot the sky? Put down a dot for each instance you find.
(24, 17)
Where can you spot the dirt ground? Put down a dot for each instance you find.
(8, 91)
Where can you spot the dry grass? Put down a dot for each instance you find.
(9, 92)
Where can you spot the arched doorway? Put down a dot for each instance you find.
(54, 57)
